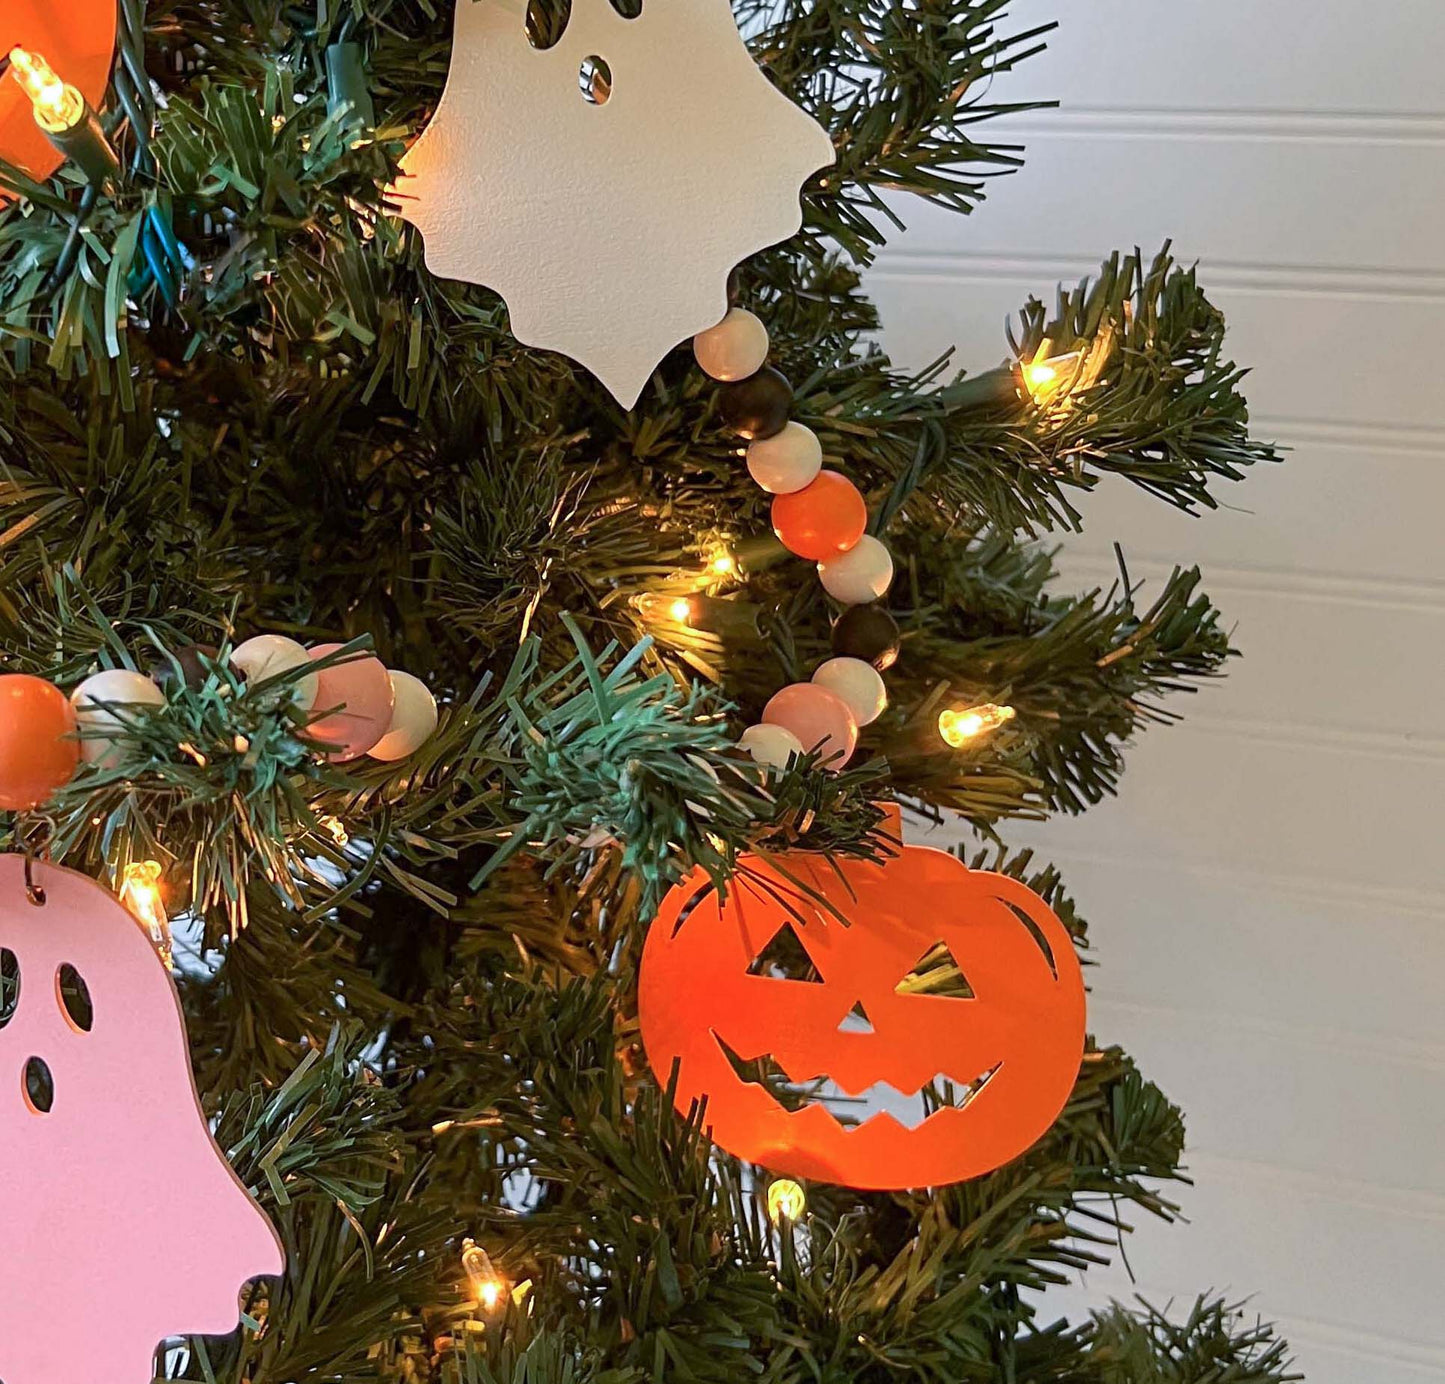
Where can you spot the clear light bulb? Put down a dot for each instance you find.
(958, 728)
(488, 1285)
(140, 892)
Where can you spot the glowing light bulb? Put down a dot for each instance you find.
(723, 565)
(140, 892)
(657, 608)
(57, 105)
(1040, 377)
(786, 1201)
(489, 1286)
(958, 728)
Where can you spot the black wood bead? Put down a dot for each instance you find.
(193, 671)
(868, 632)
(758, 406)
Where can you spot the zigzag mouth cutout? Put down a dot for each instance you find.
(911, 1109)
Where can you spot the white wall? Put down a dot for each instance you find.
(1266, 893)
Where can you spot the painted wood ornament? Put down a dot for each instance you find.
(109, 1178)
(77, 38)
(1005, 1044)
(601, 207)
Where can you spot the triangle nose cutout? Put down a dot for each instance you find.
(856, 1020)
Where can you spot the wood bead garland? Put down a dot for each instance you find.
(862, 574)
(771, 746)
(859, 684)
(818, 515)
(356, 693)
(266, 656)
(38, 749)
(190, 660)
(121, 688)
(787, 462)
(413, 719)
(823, 519)
(820, 719)
(757, 406)
(734, 349)
(870, 633)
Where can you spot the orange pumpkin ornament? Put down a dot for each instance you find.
(77, 39)
(854, 1011)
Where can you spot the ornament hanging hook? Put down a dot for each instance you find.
(35, 832)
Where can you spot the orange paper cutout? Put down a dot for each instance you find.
(77, 39)
(1011, 1051)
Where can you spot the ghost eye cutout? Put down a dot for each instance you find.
(938, 973)
(547, 21)
(785, 958)
(38, 1086)
(74, 995)
(595, 79)
(9, 985)
(628, 9)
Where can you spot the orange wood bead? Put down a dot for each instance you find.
(38, 751)
(821, 520)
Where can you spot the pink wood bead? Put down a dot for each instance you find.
(359, 698)
(819, 718)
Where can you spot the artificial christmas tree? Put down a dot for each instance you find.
(257, 457)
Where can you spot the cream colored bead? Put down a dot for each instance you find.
(268, 655)
(413, 719)
(862, 574)
(858, 684)
(118, 685)
(786, 463)
(771, 746)
(734, 349)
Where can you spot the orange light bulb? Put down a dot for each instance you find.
(58, 106)
(958, 728)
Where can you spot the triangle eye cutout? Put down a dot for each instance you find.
(938, 973)
(785, 958)
(856, 1020)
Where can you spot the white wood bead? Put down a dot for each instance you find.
(786, 463)
(862, 574)
(858, 684)
(113, 685)
(268, 655)
(771, 746)
(734, 349)
(413, 719)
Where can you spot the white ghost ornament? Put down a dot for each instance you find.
(609, 226)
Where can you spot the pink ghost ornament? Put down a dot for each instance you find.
(119, 1186)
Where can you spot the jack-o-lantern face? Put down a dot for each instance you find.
(77, 39)
(948, 981)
